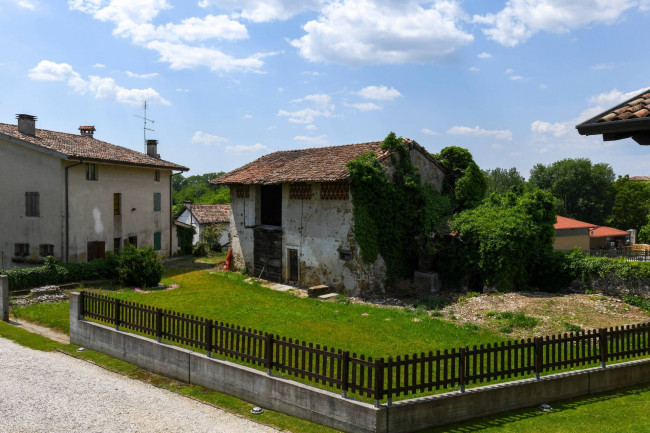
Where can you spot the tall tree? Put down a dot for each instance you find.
(465, 182)
(584, 191)
(631, 204)
(501, 181)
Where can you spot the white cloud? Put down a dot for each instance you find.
(26, 4)
(99, 65)
(516, 77)
(321, 140)
(509, 71)
(183, 45)
(365, 106)
(240, 148)
(473, 69)
(484, 55)
(556, 129)
(503, 134)
(366, 32)
(602, 66)
(543, 86)
(379, 93)
(311, 127)
(247, 116)
(429, 131)
(264, 10)
(498, 146)
(142, 76)
(99, 87)
(208, 139)
(521, 19)
(320, 105)
(613, 97)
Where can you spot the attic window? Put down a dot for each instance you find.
(335, 191)
(243, 191)
(300, 191)
(271, 205)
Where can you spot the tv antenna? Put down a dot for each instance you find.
(145, 129)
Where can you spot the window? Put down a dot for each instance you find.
(116, 245)
(156, 175)
(91, 171)
(32, 205)
(131, 240)
(157, 241)
(156, 202)
(21, 250)
(96, 250)
(117, 204)
(46, 250)
(335, 191)
(271, 207)
(300, 191)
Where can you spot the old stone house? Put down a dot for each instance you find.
(201, 216)
(292, 215)
(75, 197)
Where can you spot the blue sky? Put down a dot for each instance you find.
(230, 80)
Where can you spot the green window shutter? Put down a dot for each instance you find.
(157, 241)
(156, 202)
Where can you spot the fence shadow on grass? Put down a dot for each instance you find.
(501, 421)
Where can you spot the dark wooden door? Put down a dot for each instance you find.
(267, 253)
(96, 250)
(293, 265)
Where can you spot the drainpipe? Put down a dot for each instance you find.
(67, 213)
(171, 214)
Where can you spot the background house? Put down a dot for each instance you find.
(75, 197)
(292, 215)
(201, 216)
(570, 233)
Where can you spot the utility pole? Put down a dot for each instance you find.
(145, 129)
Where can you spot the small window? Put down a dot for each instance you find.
(300, 191)
(157, 241)
(21, 250)
(335, 191)
(32, 204)
(117, 204)
(116, 245)
(91, 171)
(156, 175)
(46, 250)
(156, 202)
(131, 240)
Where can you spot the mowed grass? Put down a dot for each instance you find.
(363, 329)
(54, 315)
(621, 411)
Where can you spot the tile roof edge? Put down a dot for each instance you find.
(33, 146)
(592, 121)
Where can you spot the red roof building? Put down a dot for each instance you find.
(570, 233)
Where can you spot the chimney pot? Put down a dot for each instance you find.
(152, 149)
(26, 124)
(87, 130)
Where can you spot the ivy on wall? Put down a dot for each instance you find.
(394, 216)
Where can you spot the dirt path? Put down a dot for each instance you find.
(52, 392)
(42, 330)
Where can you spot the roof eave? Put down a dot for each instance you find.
(33, 146)
(617, 126)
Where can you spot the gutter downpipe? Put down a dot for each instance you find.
(67, 213)
(171, 214)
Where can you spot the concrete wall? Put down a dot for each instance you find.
(91, 208)
(568, 239)
(27, 170)
(344, 414)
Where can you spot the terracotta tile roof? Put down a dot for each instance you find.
(321, 164)
(210, 213)
(564, 223)
(640, 178)
(76, 146)
(603, 232)
(630, 116)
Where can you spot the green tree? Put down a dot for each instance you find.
(501, 181)
(198, 189)
(584, 191)
(465, 182)
(631, 204)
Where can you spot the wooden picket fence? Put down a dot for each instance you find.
(378, 378)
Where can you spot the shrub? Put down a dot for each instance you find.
(201, 249)
(139, 267)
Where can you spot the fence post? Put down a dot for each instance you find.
(117, 314)
(159, 324)
(344, 373)
(461, 369)
(379, 380)
(268, 353)
(389, 390)
(538, 349)
(208, 337)
(82, 306)
(603, 347)
(4, 297)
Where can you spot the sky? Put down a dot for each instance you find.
(227, 81)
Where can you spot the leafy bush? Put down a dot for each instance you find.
(139, 267)
(201, 249)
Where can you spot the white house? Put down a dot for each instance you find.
(292, 216)
(75, 197)
(201, 216)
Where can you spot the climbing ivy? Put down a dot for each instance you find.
(394, 215)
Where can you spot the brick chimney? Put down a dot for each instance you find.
(87, 130)
(152, 148)
(26, 124)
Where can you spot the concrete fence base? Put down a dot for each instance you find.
(330, 409)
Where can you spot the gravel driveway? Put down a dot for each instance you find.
(52, 392)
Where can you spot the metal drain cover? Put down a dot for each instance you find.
(544, 407)
(257, 410)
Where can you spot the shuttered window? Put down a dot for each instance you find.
(156, 202)
(117, 204)
(32, 205)
(157, 241)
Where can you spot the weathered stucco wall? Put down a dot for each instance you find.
(26, 170)
(568, 239)
(91, 208)
(429, 172)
